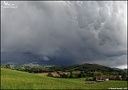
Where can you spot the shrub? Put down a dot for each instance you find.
(8, 66)
(89, 79)
(49, 74)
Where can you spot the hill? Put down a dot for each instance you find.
(12, 79)
(34, 68)
(84, 67)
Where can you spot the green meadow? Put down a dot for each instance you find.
(12, 79)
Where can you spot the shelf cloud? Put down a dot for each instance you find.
(66, 31)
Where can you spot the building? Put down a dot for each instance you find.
(102, 78)
(117, 77)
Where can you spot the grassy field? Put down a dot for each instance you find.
(11, 79)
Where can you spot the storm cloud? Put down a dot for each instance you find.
(66, 31)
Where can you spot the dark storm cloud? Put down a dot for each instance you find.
(78, 32)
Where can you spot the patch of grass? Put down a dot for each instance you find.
(12, 79)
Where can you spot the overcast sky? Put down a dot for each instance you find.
(68, 31)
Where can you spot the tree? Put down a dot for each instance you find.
(89, 74)
(70, 74)
(1, 66)
(8, 66)
(81, 74)
(127, 78)
(124, 76)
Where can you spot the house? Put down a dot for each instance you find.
(117, 77)
(102, 78)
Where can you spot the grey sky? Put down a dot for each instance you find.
(80, 32)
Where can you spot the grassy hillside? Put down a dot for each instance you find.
(12, 79)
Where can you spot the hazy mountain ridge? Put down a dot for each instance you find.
(17, 59)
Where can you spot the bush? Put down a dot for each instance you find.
(89, 79)
(49, 74)
(74, 75)
(94, 78)
(97, 74)
(81, 74)
(64, 75)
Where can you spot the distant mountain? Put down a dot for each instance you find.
(125, 70)
(116, 69)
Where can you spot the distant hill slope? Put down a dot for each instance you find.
(126, 70)
(85, 67)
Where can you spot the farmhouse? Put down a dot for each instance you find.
(102, 78)
(117, 77)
